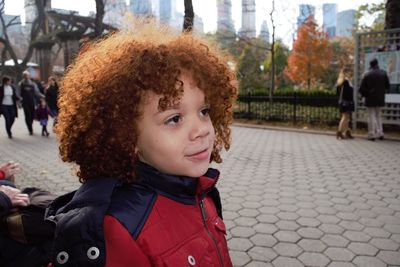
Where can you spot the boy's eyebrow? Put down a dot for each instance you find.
(174, 106)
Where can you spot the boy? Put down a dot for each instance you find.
(142, 116)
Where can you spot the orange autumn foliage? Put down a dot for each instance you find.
(311, 55)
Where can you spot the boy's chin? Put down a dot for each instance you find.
(197, 172)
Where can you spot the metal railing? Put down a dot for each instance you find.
(291, 108)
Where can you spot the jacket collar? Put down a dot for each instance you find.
(179, 188)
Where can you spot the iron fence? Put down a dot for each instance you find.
(291, 108)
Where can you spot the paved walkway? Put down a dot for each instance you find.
(290, 199)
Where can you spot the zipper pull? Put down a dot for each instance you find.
(203, 210)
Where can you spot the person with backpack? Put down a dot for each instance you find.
(25, 237)
(28, 90)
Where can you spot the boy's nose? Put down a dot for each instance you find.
(199, 128)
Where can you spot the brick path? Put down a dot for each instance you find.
(290, 199)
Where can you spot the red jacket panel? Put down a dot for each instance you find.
(175, 234)
(119, 240)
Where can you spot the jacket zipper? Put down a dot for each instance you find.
(204, 216)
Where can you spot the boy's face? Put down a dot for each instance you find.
(180, 139)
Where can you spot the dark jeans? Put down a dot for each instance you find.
(29, 111)
(9, 116)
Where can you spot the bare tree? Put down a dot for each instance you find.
(9, 49)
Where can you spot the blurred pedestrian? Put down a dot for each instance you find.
(344, 91)
(8, 101)
(52, 96)
(28, 90)
(373, 86)
(42, 114)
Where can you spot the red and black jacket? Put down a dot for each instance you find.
(164, 220)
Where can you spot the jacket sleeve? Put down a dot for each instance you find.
(37, 91)
(121, 249)
(5, 204)
(387, 83)
(363, 90)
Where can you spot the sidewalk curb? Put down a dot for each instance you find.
(307, 131)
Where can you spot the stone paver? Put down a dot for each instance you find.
(314, 259)
(289, 199)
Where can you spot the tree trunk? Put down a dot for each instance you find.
(189, 16)
(309, 75)
(71, 50)
(98, 30)
(271, 91)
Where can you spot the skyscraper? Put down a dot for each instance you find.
(329, 12)
(248, 29)
(198, 25)
(345, 22)
(140, 7)
(305, 11)
(264, 32)
(114, 12)
(224, 17)
(165, 11)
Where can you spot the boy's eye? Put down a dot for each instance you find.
(205, 111)
(173, 120)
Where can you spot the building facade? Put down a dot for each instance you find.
(140, 7)
(224, 16)
(346, 21)
(114, 12)
(329, 16)
(248, 29)
(264, 32)
(305, 11)
(165, 11)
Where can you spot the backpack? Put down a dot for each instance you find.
(26, 224)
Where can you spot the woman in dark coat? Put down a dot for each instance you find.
(344, 91)
(52, 97)
(8, 101)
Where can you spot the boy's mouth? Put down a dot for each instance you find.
(200, 155)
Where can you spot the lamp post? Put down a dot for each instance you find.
(262, 70)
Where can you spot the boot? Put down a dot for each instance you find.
(339, 135)
(348, 134)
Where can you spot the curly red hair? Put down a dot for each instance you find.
(101, 95)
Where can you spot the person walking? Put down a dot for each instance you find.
(27, 89)
(344, 91)
(42, 115)
(372, 88)
(52, 96)
(8, 101)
